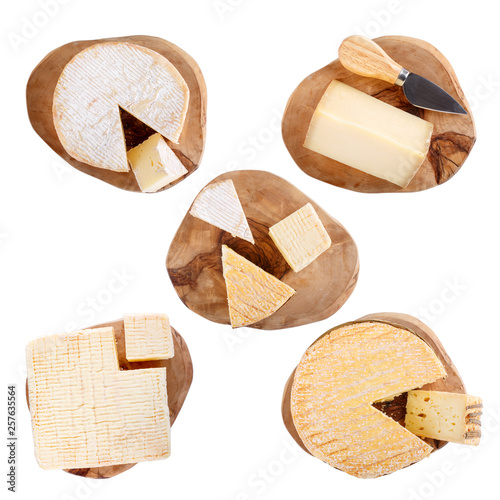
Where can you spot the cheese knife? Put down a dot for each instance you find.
(365, 58)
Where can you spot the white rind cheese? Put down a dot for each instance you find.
(219, 205)
(370, 135)
(148, 337)
(104, 77)
(301, 237)
(154, 164)
(445, 416)
(86, 412)
(335, 384)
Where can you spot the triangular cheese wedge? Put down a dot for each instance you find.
(104, 77)
(219, 205)
(339, 378)
(252, 293)
(154, 164)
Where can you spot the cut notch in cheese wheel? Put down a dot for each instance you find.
(339, 378)
(219, 205)
(252, 293)
(104, 77)
(370, 135)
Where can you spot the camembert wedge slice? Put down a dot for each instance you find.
(368, 134)
(86, 412)
(219, 205)
(301, 237)
(252, 293)
(339, 378)
(148, 337)
(154, 164)
(445, 416)
(104, 77)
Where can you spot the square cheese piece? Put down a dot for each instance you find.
(154, 164)
(86, 412)
(301, 237)
(148, 337)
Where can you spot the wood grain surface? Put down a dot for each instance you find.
(179, 378)
(40, 92)
(395, 409)
(453, 135)
(194, 261)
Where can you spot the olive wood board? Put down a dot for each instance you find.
(189, 150)
(179, 378)
(396, 409)
(194, 260)
(452, 138)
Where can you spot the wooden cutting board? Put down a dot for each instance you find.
(395, 409)
(195, 267)
(40, 92)
(452, 139)
(179, 378)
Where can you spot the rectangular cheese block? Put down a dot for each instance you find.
(445, 416)
(363, 132)
(101, 419)
(85, 411)
(148, 337)
(301, 237)
(154, 164)
(92, 350)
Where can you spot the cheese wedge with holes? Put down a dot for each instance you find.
(335, 384)
(370, 135)
(104, 77)
(85, 411)
(301, 237)
(154, 164)
(445, 416)
(219, 205)
(148, 337)
(252, 293)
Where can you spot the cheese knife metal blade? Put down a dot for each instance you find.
(364, 57)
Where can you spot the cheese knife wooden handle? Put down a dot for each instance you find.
(364, 57)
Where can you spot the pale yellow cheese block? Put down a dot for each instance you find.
(370, 135)
(252, 293)
(219, 205)
(82, 351)
(148, 337)
(301, 237)
(445, 416)
(104, 77)
(335, 384)
(85, 411)
(154, 164)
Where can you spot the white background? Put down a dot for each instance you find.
(64, 236)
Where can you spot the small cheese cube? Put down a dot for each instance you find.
(154, 164)
(301, 237)
(445, 416)
(148, 337)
